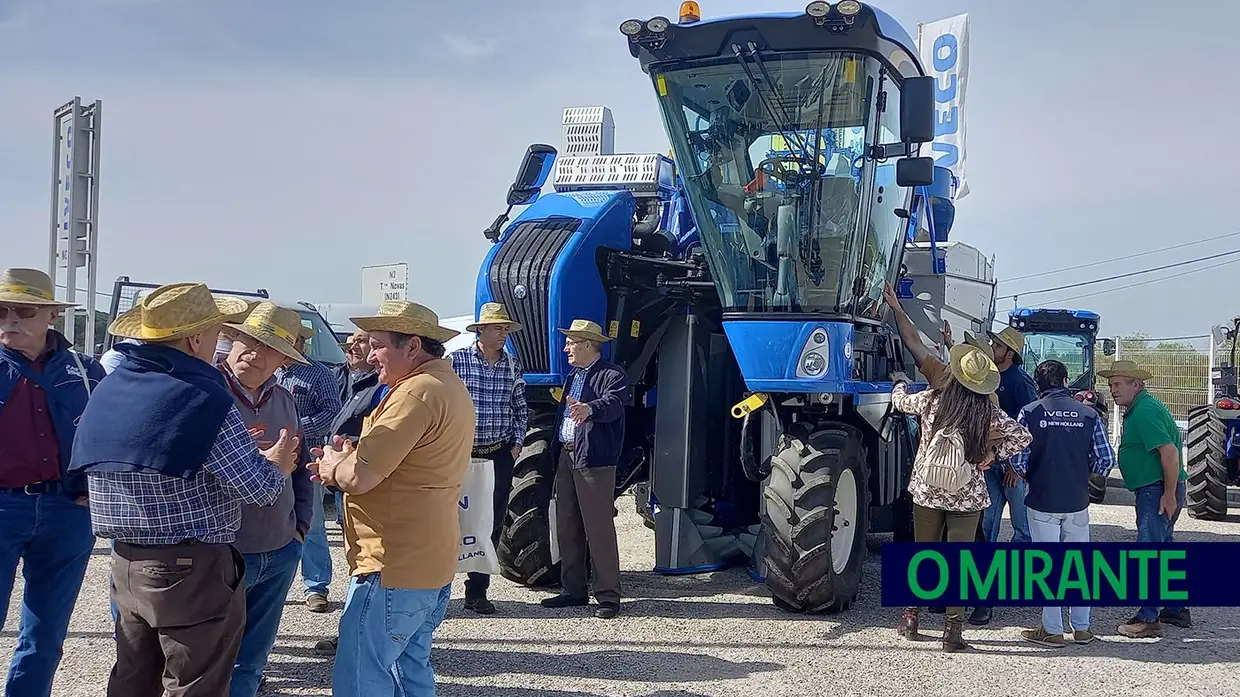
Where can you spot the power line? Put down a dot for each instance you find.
(1144, 283)
(1123, 258)
(1121, 276)
(83, 290)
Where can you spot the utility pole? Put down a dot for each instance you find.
(73, 238)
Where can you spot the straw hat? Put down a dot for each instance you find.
(404, 317)
(585, 329)
(974, 369)
(176, 311)
(28, 287)
(1012, 339)
(275, 326)
(1125, 369)
(493, 313)
(972, 339)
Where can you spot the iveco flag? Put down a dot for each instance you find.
(944, 48)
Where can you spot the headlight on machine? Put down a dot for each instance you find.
(813, 362)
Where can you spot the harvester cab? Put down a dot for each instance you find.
(1213, 442)
(1070, 337)
(742, 284)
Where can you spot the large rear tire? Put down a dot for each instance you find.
(1207, 463)
(524, 550)
(1097, 488)
(816, 519)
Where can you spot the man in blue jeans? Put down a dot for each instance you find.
(1152, 464)
(1016, 389)
(270, 538)
(44, 522)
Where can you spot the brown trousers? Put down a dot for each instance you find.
(584, 507)
(180, 618)
(933, 525)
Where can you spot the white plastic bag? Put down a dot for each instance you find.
(477, 515)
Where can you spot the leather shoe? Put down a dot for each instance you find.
(607, 611)
(564, 600)
(981, 616)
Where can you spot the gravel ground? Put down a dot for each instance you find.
(719, 634)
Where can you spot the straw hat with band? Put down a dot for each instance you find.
(1012, 339)
(28, 287)
(176, 311)
(1125, 369)
(972, 339)
(974, 369)
(404, 317)
(585, 329)
(276, 327)
(493, 313)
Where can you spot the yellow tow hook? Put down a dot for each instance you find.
(750, 404)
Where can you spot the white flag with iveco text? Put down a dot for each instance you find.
(944, 49)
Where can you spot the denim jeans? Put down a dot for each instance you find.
(385, 640)
(1061, 527)
(316, 557)
(1154, 528)
(51, 535)
(268, 576)
(992, 519)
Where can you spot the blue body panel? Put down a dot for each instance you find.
(1027, 312)
(576, 288)
(768, 352)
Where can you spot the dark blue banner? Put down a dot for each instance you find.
(1102, 574)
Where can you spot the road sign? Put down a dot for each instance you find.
(384, 282)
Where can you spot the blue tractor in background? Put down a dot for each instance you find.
(742, 283)
(1213, 439)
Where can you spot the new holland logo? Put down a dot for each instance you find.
(520, 291)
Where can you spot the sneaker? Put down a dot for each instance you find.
(316, 602)
(1083, 636)
(326, 647)
(1041, 637)
(564, 600)
(1181, 619)
(482, 606)
(1138, 629)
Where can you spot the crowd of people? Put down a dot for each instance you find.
(991, 437)
(203, 444)
(202, 447)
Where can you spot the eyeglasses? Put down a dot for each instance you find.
(23, 312)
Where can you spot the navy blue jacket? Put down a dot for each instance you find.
(1016, 389)
(1061, 456)
(598, 441)
(61, 381)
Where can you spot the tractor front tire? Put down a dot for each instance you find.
(1207, 463)
(815, 519)
(1097, 488)
(524, 550)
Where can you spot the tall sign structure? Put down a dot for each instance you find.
(74, 232)
(944, 47)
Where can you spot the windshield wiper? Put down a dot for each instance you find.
(780, 126)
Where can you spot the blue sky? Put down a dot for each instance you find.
(284, 144)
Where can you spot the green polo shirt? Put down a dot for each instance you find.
(1147, 426)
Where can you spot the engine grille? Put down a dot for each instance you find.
(525, 260)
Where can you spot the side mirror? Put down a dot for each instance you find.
(535, 169)
(1219, 334)
(915, 171)
(1108, 347)
(917, 110)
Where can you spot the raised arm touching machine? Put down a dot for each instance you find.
(748, 271)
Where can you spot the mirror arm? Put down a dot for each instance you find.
(886, 150)
(493, 232)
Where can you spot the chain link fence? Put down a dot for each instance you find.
(1180, 368)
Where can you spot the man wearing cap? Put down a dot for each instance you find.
(169, 463)
(591, 436)
(495, 382)
(1151, 462)
(44, 386)
(317, 395)
(270, 537)
(402, 484)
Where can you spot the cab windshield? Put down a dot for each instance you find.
(1075, 351)
(772, 155)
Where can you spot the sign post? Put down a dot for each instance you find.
(384, 282)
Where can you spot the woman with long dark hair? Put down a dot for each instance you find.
(962, 432)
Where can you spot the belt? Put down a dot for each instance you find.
(490, 449)
(36, 489)
(568, 447)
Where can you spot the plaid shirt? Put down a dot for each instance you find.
(146, 508)
(568, 427)
(498, 392)
(316, 392)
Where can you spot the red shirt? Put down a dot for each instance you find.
(29, 451)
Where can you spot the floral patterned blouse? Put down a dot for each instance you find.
(1007, 437)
